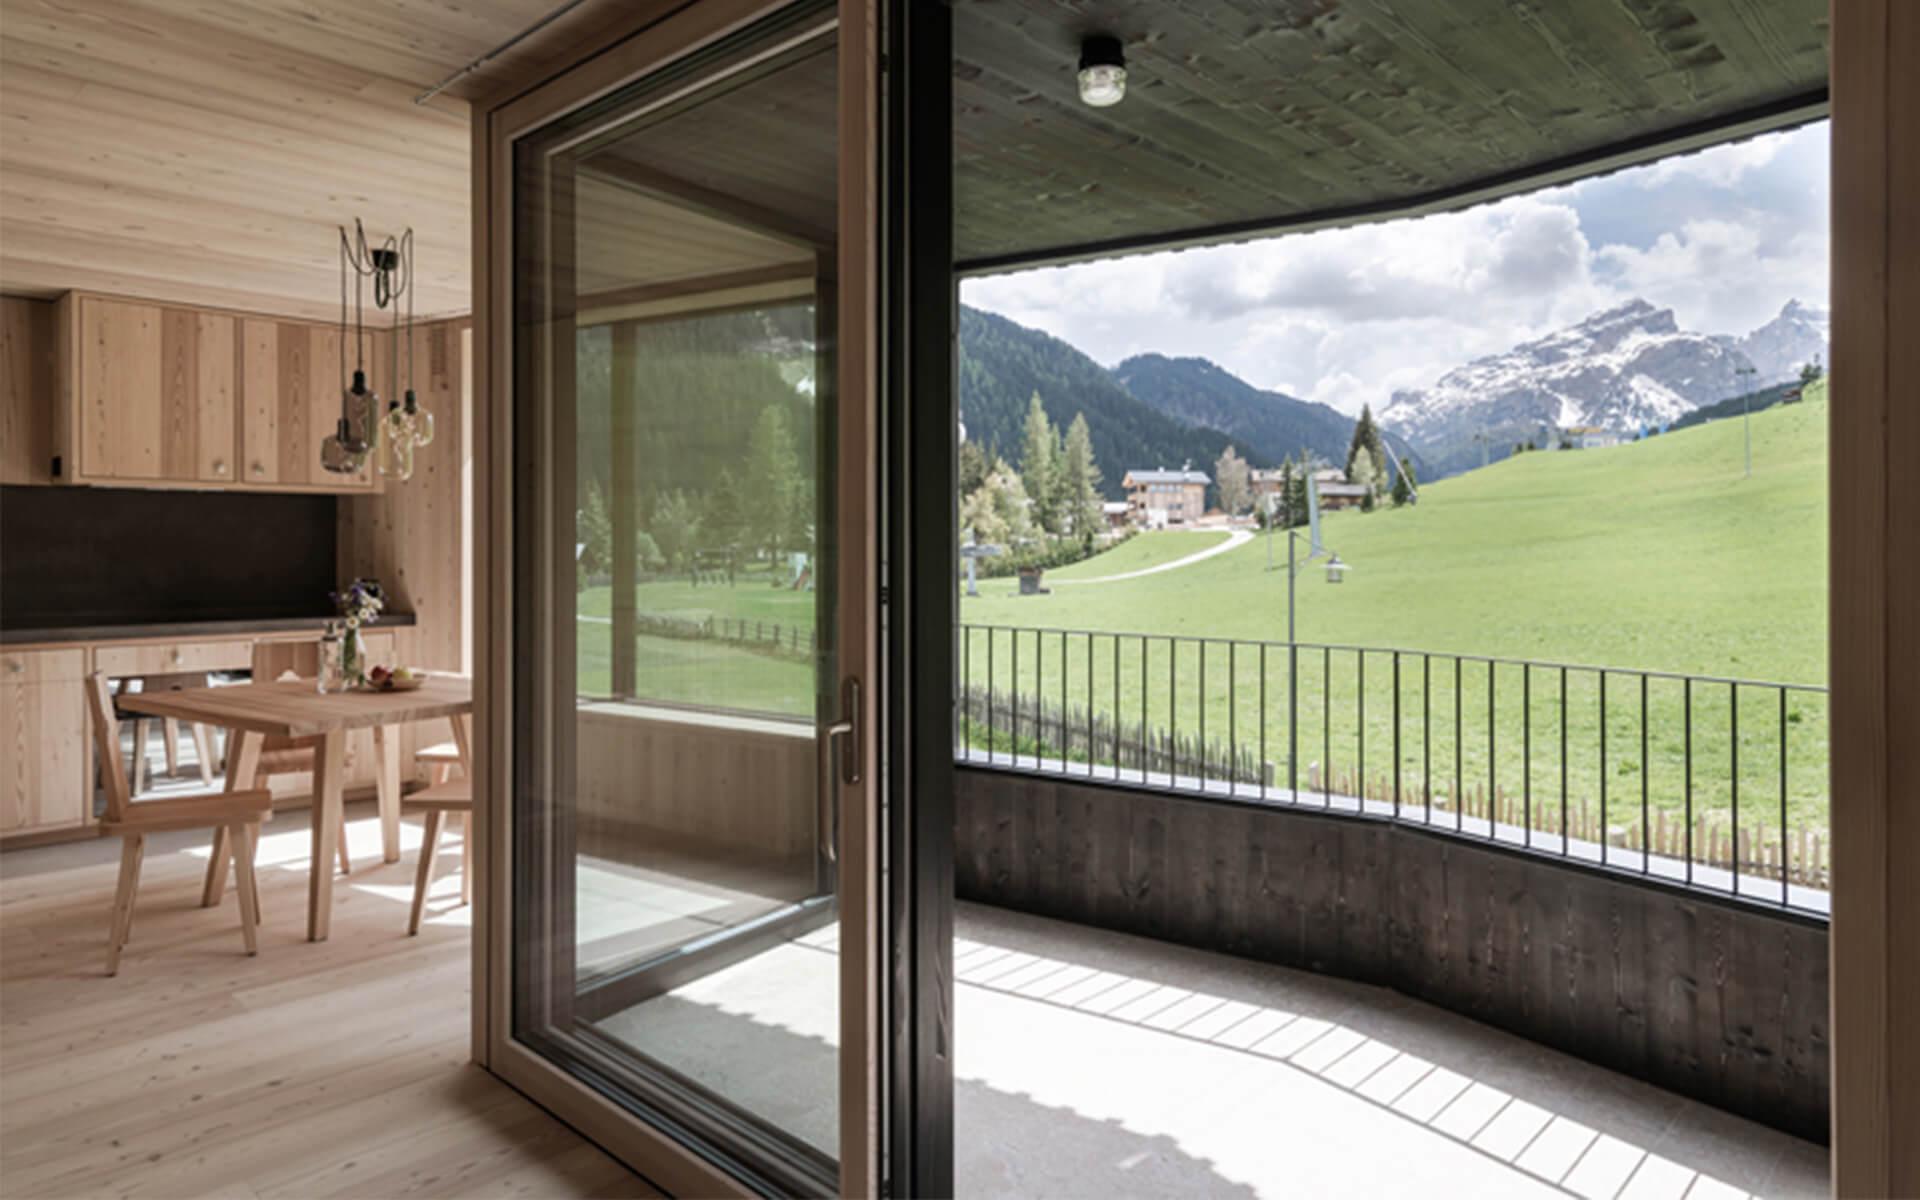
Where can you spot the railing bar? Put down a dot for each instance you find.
(1116, 709)
(1566, 841)
(1646, 791)
(1201, 744)
(1493, 759)
(992, 728)
(1733, 740)
(1786, 854)
(966, 683)
(1606, 830)
(1091, 754)
(1233, 720)
(1360, 731)
(1013, 737)
(1526, 755)
(1145, 738)
(1687, 768)
(1396, 735)
(1514, 662)
(1426, 738)
(1326, 724)
(1263, 724)
(1066, 671)
(1173, 710)
(1459, 754)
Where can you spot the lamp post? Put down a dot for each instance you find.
(1745, 375)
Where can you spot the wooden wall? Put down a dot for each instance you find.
(416, 537)
(1724, 1003)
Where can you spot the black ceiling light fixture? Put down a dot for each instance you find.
(1103, 71)
(362, 430)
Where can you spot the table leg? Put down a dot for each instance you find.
(330, 768)
(243, 758)
(386, 753)
(462, 741)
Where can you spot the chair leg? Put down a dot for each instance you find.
(132, 848)
(142, 730)
(203, 750)
(253, 876)
(216, 881)
(466, 858)
(170, 729)
(241, 838)
(346, 864)
(423, 877)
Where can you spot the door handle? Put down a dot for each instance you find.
(846, 729)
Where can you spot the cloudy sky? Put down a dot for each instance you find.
(1724, 237)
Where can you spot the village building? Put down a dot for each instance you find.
(1160, 497)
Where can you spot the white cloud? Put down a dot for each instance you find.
(1345, 316)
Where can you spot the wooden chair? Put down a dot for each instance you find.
(170, 729)
(446, 796)
(238, 813)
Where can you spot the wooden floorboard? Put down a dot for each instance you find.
(312, 1070)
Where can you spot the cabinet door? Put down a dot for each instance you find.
(43, 741)
(216, 349)
(298, 442)
(120, 413)
(260, 401)
(196, 396)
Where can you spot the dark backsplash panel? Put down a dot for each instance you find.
(106, 556)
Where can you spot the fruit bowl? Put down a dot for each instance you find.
(382, 680)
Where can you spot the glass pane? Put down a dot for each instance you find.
(675, 926)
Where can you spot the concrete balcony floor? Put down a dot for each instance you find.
(1093, 1064)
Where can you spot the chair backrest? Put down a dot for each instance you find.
(106, 738)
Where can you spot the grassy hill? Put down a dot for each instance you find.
(1658, 555)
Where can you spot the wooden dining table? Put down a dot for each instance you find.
(297, 709)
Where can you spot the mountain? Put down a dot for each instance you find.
(1619, 369)
(1199, 392)
(1002, 364)
(1783, 345)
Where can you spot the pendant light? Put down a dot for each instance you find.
(363, 430)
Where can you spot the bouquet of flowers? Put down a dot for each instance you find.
(359, 606)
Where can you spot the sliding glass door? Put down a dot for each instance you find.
(690, 792)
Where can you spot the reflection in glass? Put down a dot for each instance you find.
(676, 360)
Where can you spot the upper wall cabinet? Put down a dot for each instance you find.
(164, 396)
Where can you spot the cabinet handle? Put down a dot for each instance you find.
(258, 469)
(219, 466)
(15, 666)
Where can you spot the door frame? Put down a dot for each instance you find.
(660, 34)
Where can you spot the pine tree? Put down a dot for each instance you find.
(1402, 490)
(1235, 483)
(1038, 469)
(596, 530)
(726, 517)
(1364, 475)
(973, 467)
(1366, 436)
(1080, 479)
(1297, 500)
(773, 465)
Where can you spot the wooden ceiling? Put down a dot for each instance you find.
(1255, 115)
(206, 152)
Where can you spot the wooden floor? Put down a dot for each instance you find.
(332, 1069)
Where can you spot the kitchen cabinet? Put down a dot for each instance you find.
(44, 781)
(157, 395)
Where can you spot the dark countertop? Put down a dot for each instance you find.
(11, 636)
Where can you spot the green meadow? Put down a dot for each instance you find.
(1659, 557)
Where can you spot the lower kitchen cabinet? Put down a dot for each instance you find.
(45, 779)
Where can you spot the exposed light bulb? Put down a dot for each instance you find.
(1103, 72)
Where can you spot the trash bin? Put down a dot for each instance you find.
(1030, 582)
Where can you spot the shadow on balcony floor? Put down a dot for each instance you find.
(1099, 1064)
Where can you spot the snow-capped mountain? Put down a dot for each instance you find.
(1791, 340)
(1619, 369)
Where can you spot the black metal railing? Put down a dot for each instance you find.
(1706, 781)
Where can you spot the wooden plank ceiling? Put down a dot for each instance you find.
(205, 153)
(1268, 112)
